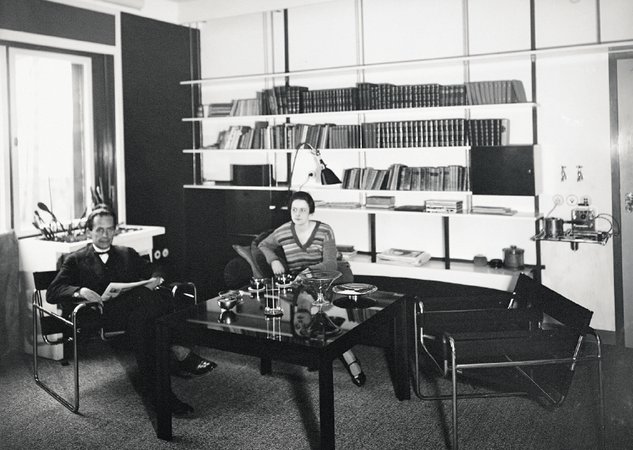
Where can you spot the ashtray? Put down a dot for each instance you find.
(257, 284)
(228, 299)
(283, 280)
(354, 293)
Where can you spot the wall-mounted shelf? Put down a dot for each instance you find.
(324, 150)
(506, 55)
(595, 237)
(435, 269)
(430, 111)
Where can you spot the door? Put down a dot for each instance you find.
(621, 86)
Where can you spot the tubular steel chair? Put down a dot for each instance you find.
(538, 334)
(82, 320)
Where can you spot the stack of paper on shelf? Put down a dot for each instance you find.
(380, 201)
(413, 257)
(499, 210)
(444, 206)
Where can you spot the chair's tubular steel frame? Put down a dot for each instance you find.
(174, 290)
(518, 365)
(39, 310)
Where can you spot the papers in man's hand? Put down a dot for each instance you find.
(115, 289)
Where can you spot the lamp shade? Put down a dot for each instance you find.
(327, 176)
(322, 173)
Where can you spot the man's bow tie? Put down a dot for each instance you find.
(102, 253)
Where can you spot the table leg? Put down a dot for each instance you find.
(163, 383)
(326, 404)
(400, 351)
(265, 366)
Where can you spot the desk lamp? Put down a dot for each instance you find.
(320, 173)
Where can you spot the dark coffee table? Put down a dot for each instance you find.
(246, 330)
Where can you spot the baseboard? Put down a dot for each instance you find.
(607, 337)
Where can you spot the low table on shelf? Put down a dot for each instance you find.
(246, 330)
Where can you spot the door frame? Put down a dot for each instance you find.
(616, 197)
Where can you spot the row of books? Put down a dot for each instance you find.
(281, 136)
(400, 134)
(399, 177)
(435, 133)
(368, 96)
(493, 92)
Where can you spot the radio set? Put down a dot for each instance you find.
(583, 219)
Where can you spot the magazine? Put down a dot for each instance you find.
(115, 289)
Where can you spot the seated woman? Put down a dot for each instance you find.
(308, 245)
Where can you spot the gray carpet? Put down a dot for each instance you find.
(237, 408)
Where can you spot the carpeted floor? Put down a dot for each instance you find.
(237, 408)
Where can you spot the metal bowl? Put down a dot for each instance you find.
(228, 299)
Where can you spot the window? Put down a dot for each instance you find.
(51, 135)
(5, 187)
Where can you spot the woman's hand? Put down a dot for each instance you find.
(278, 267)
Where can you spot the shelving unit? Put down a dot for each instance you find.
(445, 267)
(451, 261)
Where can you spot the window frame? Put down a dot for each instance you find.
(88, 141)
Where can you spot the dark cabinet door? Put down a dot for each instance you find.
(216, 219)
(502, 170)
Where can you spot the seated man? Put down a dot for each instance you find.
(84, 276)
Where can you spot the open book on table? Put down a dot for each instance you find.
(115, 289)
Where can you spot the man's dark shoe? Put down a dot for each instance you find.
(193, 365)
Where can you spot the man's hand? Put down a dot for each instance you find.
(278, 267)
(90, 296)
(155, 282)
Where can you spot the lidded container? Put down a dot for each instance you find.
(513, 257)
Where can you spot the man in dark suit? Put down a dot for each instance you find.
(85, 275)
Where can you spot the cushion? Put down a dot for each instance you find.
(246, 252)
(237, 273)
(255, 258)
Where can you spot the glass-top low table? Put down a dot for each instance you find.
(245, 329)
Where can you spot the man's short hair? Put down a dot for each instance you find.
(100, 210)
(302, 195)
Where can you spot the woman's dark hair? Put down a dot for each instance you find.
(100, 210)
(302, 195)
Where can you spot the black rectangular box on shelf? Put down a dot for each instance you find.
(251, 174)
(503, 170)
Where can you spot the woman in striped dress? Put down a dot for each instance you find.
(308, 245)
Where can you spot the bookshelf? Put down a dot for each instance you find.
(456, 237)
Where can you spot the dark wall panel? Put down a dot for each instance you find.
(155, 58)
(55, 19)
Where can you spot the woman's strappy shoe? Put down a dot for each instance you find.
(352, 364)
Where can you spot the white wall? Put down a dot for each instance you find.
(572, 94)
